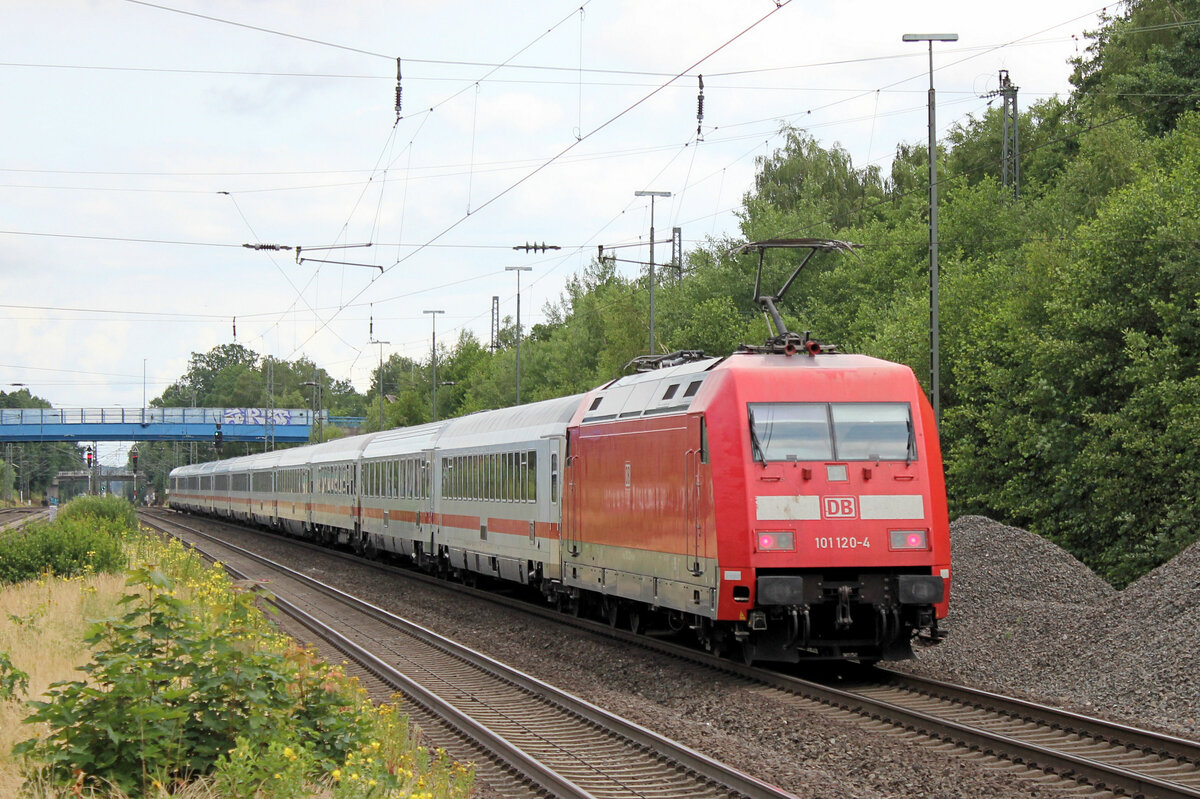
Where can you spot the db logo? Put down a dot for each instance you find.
(839, 508)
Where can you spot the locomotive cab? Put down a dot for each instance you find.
(844, 535)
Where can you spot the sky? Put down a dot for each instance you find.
(147, 144)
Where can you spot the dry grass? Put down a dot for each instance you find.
(42, 626)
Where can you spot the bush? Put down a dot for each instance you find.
(112, 508)
(67, 547)
(174, 689)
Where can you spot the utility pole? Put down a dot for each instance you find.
(433, 318)
(652, 195)
(269, 421)
(1010, 152)
(518, 270)
(380, 386)
(934, 354)
(316, 402)
(495, 322)
(1010, 163)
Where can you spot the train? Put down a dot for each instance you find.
(781, 503)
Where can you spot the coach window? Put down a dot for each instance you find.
(554, 477)
(531, 476)
(508, 476)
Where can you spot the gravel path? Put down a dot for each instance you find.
(1028, 619)
(808, 753)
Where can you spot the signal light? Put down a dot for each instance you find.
(89, 457)
(908, 539)
(782, 541)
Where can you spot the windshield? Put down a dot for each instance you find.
(839, 431)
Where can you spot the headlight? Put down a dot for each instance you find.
(908, 539)
(784, 541)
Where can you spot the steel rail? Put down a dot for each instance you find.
(685, 758)
(1080, 768)
(1149, 741)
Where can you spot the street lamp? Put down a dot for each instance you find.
(380, 343)
(934, 356)
(433, 318)
(518, 270)
(652, 195)
(316, 387)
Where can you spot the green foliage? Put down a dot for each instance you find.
(174, 689)
(69, 546)
(112, 509)
(13, 681)
(1145, 62)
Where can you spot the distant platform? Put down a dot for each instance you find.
(283, 425)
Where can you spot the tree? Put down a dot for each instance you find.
(1145, 62)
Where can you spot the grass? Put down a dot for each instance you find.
(355, 750)
(42, 626)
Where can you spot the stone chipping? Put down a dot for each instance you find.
(1028, 619)
(809, 753)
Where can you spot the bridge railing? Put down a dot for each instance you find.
(213, 416)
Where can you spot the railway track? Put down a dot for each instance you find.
(1037, 741)
(11, 518)
(558, 744)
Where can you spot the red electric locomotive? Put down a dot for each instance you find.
(786, 499)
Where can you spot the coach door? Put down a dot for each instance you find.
(693, 512)
(430, 477)
(571, 497)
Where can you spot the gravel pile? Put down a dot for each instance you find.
(1028, 619)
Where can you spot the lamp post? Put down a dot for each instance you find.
(518, 270)
(934, 356)
(316, 387)
(652, 195)
(433, 318)
(380, 343)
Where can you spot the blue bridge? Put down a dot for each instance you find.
(284, 426)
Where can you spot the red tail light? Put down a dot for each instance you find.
(784, 541)
(908, 539)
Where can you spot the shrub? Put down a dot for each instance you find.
(68, 547)
(173, 689)
(112, 508)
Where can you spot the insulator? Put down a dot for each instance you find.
(700, 110)
(399, 91)
(235, 328)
